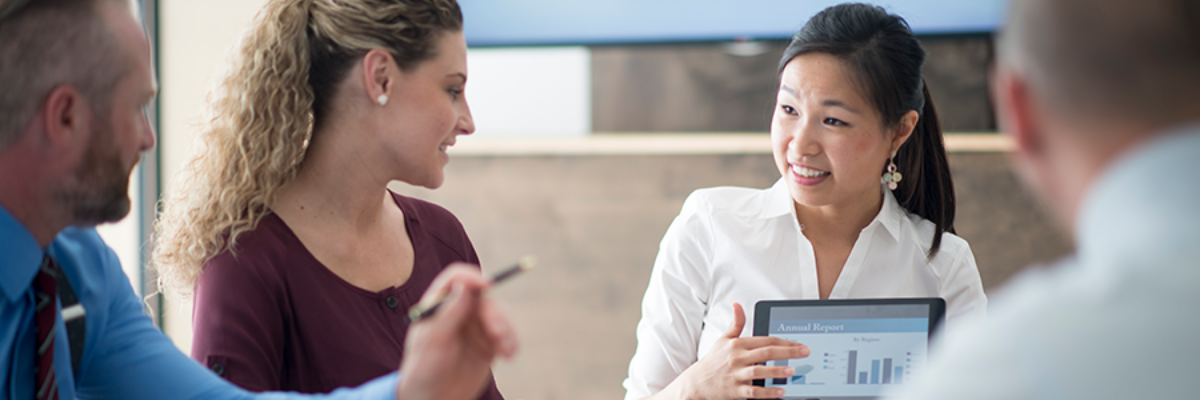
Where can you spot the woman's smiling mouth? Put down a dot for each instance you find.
(806, 172)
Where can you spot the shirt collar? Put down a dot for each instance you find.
(20, 256)
(778, 202)
(891, 214)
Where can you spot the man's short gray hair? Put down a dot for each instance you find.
(1125, 59)
(48, 43)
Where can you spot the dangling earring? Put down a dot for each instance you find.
(891, 177)
(382, 100)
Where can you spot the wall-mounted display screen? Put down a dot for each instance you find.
(584, 22)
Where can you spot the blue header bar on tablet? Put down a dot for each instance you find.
(873, 325)
(851, 311)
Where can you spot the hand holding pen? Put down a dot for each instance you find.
(428, 306)
(448, 355)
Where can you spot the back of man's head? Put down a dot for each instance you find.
(1095, 60)
(47, 43)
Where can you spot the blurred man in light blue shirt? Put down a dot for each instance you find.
(1102, 99)
(74, 80)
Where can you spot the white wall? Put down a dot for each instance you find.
(193, 39)
(534, 92)
(124, 237)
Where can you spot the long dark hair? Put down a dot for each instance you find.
(886, 60)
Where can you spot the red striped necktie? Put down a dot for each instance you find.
(46, 287)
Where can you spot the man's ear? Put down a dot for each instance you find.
(377, 70)
(1016, 112)
(67, 117)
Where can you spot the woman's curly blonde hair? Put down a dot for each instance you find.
(274, 90)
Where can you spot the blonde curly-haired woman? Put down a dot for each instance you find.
(301, 262)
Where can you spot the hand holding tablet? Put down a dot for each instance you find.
(730, 368)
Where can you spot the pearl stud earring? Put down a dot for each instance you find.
(382, 100)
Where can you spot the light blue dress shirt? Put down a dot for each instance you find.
(1119, 320)
(125, 356)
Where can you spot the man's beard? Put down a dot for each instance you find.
(99, 192)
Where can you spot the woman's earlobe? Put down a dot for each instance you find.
(376, 69)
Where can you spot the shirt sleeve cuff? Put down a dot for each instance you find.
(381, 388)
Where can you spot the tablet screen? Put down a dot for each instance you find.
(859, 347)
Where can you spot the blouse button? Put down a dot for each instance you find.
(392, 302)
(218, 369)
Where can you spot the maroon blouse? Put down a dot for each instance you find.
(273, 318)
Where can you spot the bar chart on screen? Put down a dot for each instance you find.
(857, 361)
(881, 371)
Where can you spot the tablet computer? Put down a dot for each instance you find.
(859, 347)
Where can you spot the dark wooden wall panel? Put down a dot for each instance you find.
(701, 88)
(681, 88)
(956, 72)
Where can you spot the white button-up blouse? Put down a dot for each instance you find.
(732, 244)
